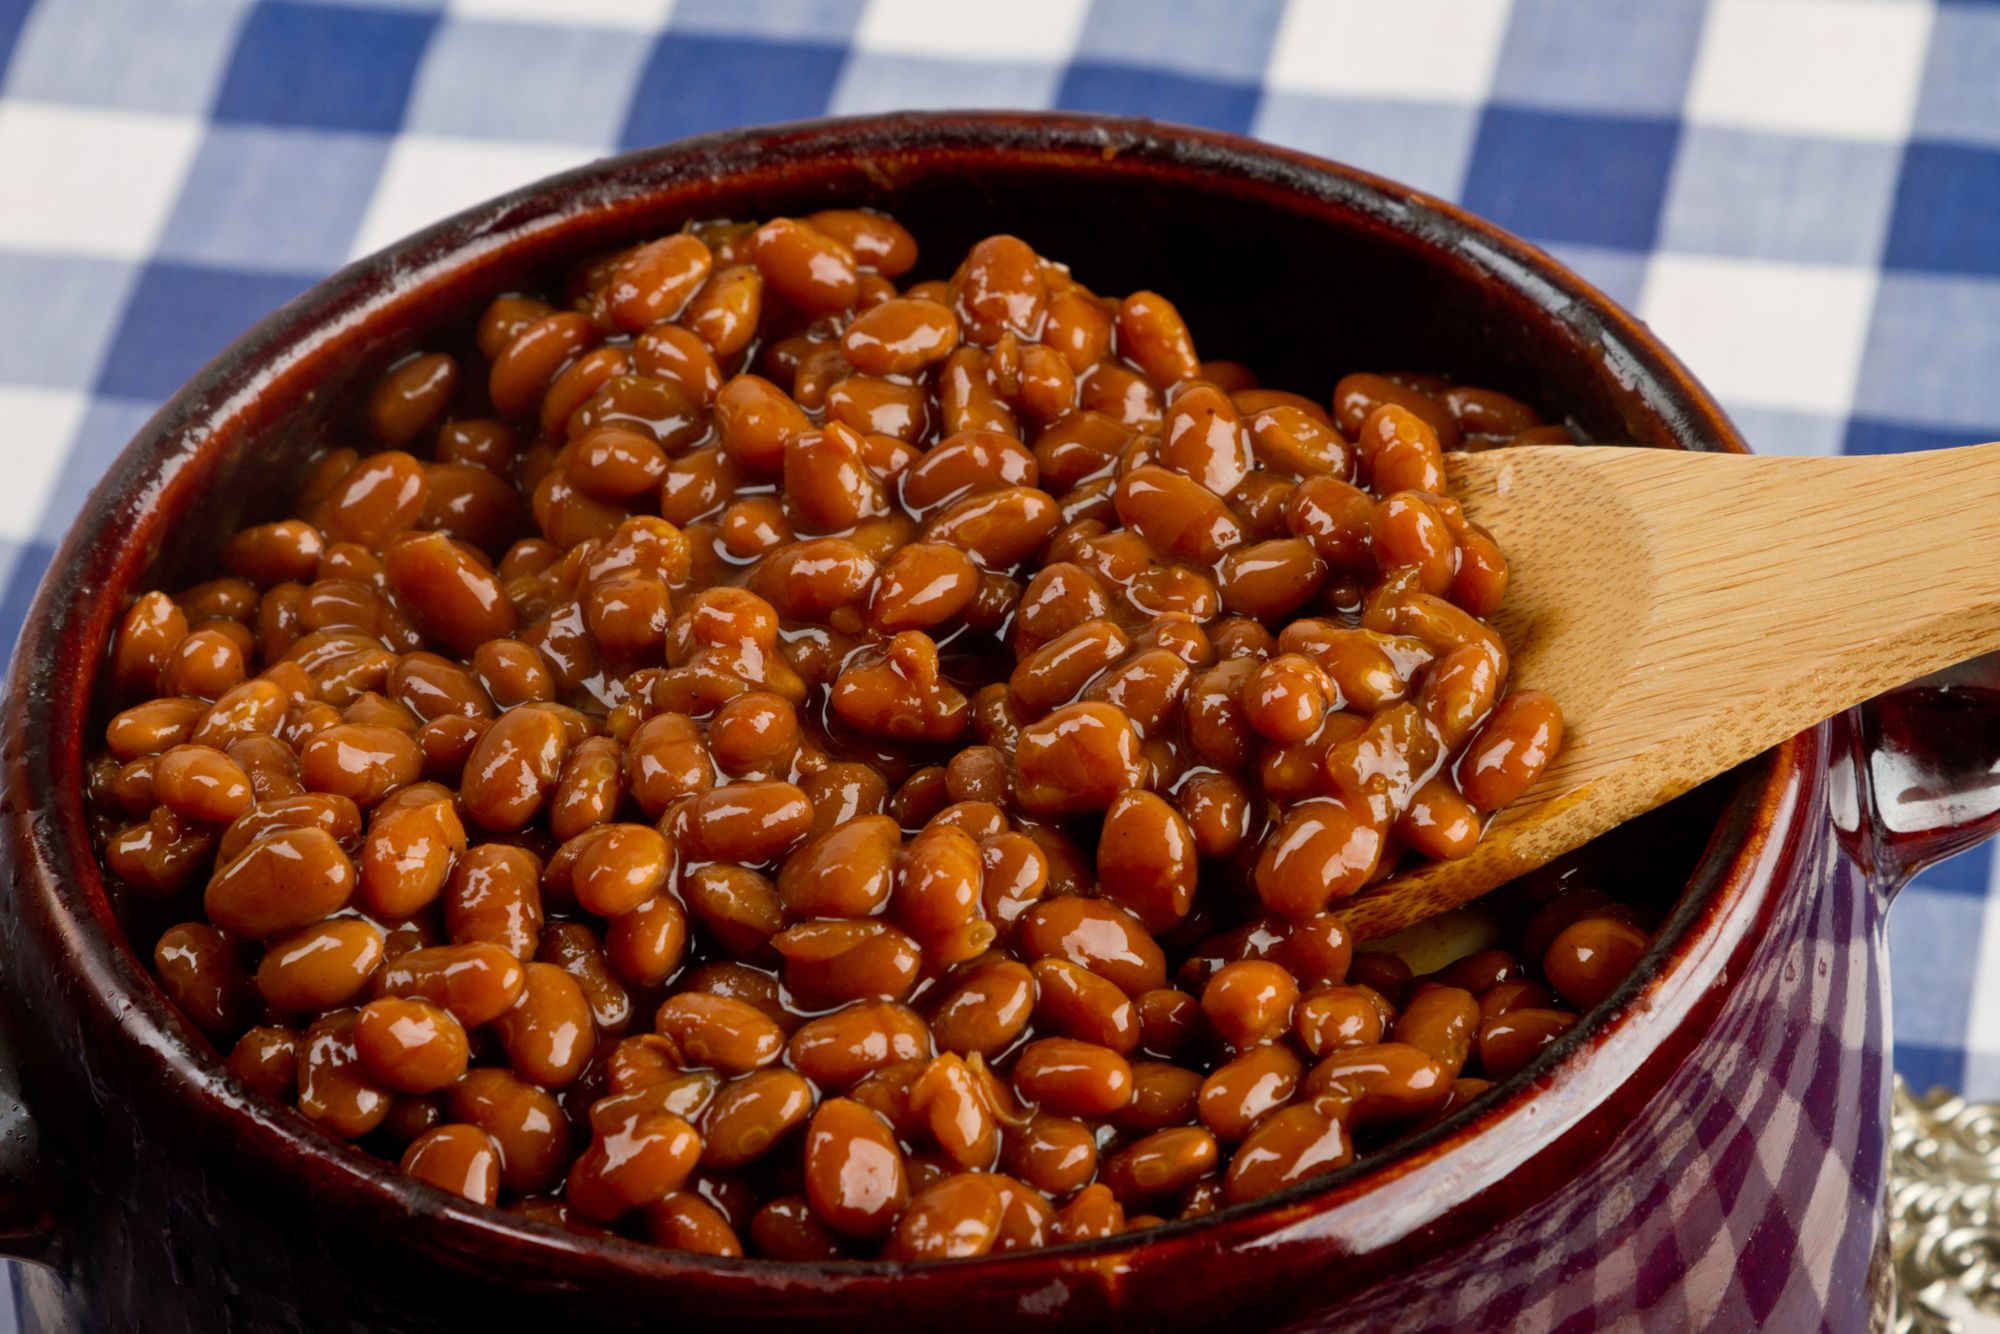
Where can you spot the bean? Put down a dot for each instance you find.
(753, 1115)
(1161, 1165)
(829, 963)
(202, 784)
(1177, 516)
(1152, 334)
(656, 280)
(266, 1058)
(785, 1228)
(954, 1107)
(321, 967)
(622, 867)
(1095, 935)
(1590, 957)
(513, 769)
(1390, 1081)
(836, 1050)
(450, 592)
(526, 1123)
(1072, 1078)
(682, 1221)
(475, 982)
(1510, 750)
(1241, 1092)
(335, 1090)
(413, 839)
(1509, 1041)
(1330, 1018)
(1076, 1003)
(459, 1158)
(1441, 1022)
(636, 1160)
(953, 1219)
(153, 626)
(548, 1031)
(855, 1178)
(750, 822)
(494, 895)
(1077, 759)
(1250, 1002)
(805, 266)
(410, 1046)
(987, 1011)
(1292, 1145)
(923, 584)
(900, 337)
(206, 975)
(289, 878)
(721, 1032)
(378, 498)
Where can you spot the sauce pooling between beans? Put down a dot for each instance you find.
(766, 761)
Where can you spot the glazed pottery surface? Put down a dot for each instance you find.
(1707, 1152)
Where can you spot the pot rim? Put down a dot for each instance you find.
(61, 651)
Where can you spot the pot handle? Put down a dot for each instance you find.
(1919, 777)
(27, 1209)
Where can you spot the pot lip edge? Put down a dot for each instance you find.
(107, 965)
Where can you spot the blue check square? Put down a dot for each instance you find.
(24, 563)
(181, 315)
(1932, 352)
(1162, 94)
(274, 199)
(1775, 196)
(1878, 435)
(1946, 201)
(1423, 144)
(331, 66)
(772, 20)
(1598, 180)
(1960, 99)
(530, 82)
(1224, 41)
(76, 300)
(13, 17)
(1589, 56)
(134, 55)
(692, 84)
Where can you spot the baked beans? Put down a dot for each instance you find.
(765, 761)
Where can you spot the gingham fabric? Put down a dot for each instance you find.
(1800, 195)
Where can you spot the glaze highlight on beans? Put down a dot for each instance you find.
(765, 761)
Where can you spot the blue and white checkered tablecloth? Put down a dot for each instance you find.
(1800, 195)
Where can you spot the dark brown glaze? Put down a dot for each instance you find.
(236, 1213)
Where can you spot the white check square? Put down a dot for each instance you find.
(1764, 334)
(977, 30)
(1843, 70)
(1410, 50)
(81, 181)
(429, 178)
(41, 426)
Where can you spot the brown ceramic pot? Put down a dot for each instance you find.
(1707, 1150)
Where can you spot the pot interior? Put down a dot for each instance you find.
(1303, 275)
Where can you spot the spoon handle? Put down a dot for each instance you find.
(1787, 589)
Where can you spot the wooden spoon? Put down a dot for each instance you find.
(1691, 610)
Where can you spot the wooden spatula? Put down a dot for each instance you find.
(1691, 610)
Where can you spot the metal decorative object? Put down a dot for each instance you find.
(1944, 1212)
